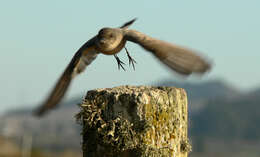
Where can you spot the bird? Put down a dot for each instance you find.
(110, 41)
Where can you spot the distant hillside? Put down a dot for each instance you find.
(209, 89)
(51, 132)
(229, 119)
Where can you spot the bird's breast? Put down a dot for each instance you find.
(113, 51)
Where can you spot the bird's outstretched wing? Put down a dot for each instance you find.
(179, 59)
(83, 57)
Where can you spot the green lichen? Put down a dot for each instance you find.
(115, 134)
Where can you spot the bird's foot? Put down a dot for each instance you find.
(131, 60)
(119, 63)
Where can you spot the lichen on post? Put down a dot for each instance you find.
(135, 121)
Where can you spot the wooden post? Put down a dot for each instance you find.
(141, 121)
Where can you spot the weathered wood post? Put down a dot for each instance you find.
(129, 121)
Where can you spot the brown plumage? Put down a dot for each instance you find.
(110, 41)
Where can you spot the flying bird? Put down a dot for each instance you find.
(110, 41)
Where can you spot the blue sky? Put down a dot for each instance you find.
(38, 39)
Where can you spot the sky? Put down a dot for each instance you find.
(38, 39)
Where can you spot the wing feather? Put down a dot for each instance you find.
(179, 59)
(83, 57)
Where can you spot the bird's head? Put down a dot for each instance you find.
(109, 39)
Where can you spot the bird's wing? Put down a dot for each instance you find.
(179, 59)
(83, 57)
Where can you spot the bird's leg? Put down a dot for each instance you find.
(119, 63)
(131, 60)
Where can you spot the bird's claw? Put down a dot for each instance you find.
(131, 60)
(119, 63)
